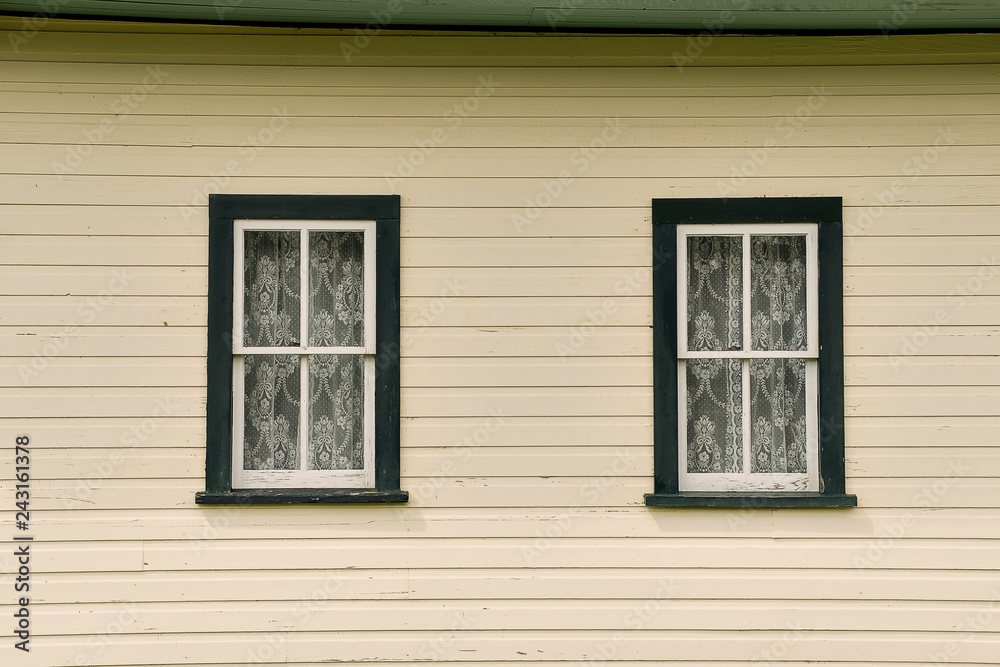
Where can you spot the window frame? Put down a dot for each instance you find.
(725, 481)
(226, 213)
(249, 479)
(827, 214)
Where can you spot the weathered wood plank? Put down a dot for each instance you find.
(530, 583)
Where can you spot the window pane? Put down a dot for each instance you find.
(271, 280)
(715, 293)
(777, 415)
(336, 412)
(271, 412)
(778, 292)
(336, 289)
(714, 415)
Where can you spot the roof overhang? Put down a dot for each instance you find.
(885, 16)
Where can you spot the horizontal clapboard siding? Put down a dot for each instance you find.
(526, 345)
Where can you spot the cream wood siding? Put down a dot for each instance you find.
(526, 370)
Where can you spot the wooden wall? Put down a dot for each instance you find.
(526, 165)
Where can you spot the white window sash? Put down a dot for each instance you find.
(304, 227)
(761, 354)
(808, 230)
(747, 481)
(304, 478)
(304, 349)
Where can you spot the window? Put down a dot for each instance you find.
(303, 349)
(748, 353)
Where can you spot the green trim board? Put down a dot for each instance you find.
(680, 15)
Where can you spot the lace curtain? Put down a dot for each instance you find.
(778, 292)
(271, 408)
(715, 415)
(336, 289)
(778, 322)
(777, 415)
(336, 412)
(271, 292)
(272, 396)
(715, 401)
(715, 293)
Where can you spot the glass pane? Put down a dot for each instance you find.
(778, 292)
(336, 289)
(714, 415)
(715, 293)
(777, 415)
(271, 411)
(271, 289)
(336, 412)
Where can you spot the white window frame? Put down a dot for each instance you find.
(303, 478)
(747, 481)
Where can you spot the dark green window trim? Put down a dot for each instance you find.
(827, 212)
(223, 210)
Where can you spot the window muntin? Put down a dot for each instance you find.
(747, 357)
(303, 354)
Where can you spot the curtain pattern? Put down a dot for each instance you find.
(778, 292)
(715, 401)
(336, 412)
(272, 401)
(271, 412)
(714, 415)
(715, 293)
(271, 296)
(778, 322)
(777, 415)
(336, 289)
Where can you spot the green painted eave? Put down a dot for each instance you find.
(886, 16)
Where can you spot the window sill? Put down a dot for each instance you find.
(290, 496)
(758, 500)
